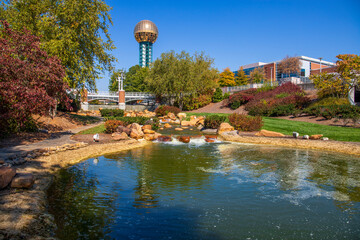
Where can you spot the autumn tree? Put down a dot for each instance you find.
(241, 78)
(76, 31)
(176, 77)
(257, 75)
(349, 69)
(289, 65)
(31, 81)
(330, 85)
(227, 78)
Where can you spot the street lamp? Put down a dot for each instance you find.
(271, 68)
(320, 63)
(121, 81)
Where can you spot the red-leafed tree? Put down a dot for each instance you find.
(31, 82)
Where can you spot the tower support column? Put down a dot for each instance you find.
(122, 100)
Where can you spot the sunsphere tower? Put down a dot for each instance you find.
(145, 33)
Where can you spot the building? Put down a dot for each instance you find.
(308, 66)
(145, 33)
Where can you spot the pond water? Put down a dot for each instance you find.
(209, 191)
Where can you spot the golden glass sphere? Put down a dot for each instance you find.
(146, 31)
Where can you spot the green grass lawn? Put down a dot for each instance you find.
(98, 129)
(303, 128)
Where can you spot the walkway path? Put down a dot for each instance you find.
(64, 138)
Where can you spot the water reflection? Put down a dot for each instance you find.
(208, 192)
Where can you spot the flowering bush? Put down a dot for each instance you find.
(243, 122)
(163, 110)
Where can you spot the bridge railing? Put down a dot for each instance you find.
(116, 94)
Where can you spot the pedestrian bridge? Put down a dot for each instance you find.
(114, 96)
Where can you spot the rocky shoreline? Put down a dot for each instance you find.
(23, 212)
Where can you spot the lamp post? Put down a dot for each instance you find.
(320, 63)
(121, 91)
(271, 68)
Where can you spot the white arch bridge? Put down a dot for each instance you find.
(114, 96)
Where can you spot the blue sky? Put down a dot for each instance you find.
(236, 33)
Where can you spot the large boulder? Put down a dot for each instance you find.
(184, 139)
(266, 133)
(187, 123)
(136, 126)
(148, 127)
(166, 125)
(136, 134)
(149, 131)
(225, 127)
(171, 116)
(23, 181)
(149, 137)
(119, 136)
(6, 175)
(121, 129)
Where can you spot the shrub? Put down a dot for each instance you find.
(331, 101)
(111, 125)
(226, 95)
(112, 112)
(243, 122)
(282, 110)
(242, 97)
(163, 110)
(218, 96)
(214, 121)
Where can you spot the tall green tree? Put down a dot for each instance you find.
(227, 78)
(257, 75)
(134, 79)
(179, 76)
(241, 78)
(72, 30)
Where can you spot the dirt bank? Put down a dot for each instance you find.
(334, 146)
(23, 213)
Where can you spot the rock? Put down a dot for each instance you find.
(209, 131)
(23, 181)
(148, 127)
(6, 175)
(325, 139)
(161, 128)
(2, 161)
(209, 140)
(137, 127)
(177, 121)
(166, 125)
(149, 137)
(187, 123)
(200, 127)
(211, 136)
(266, 133)
(184, 139)
(171, 116)
(200, 122)
(157, 135)
(179, 129)
(136, 134)
(225, 127)
(295, 134)
(119, 136)
(181, 115)
(149, 131)
(316, 136)
(306, 137)
(164, 139)
(184, 127)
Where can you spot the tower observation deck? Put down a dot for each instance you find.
(145, 33)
